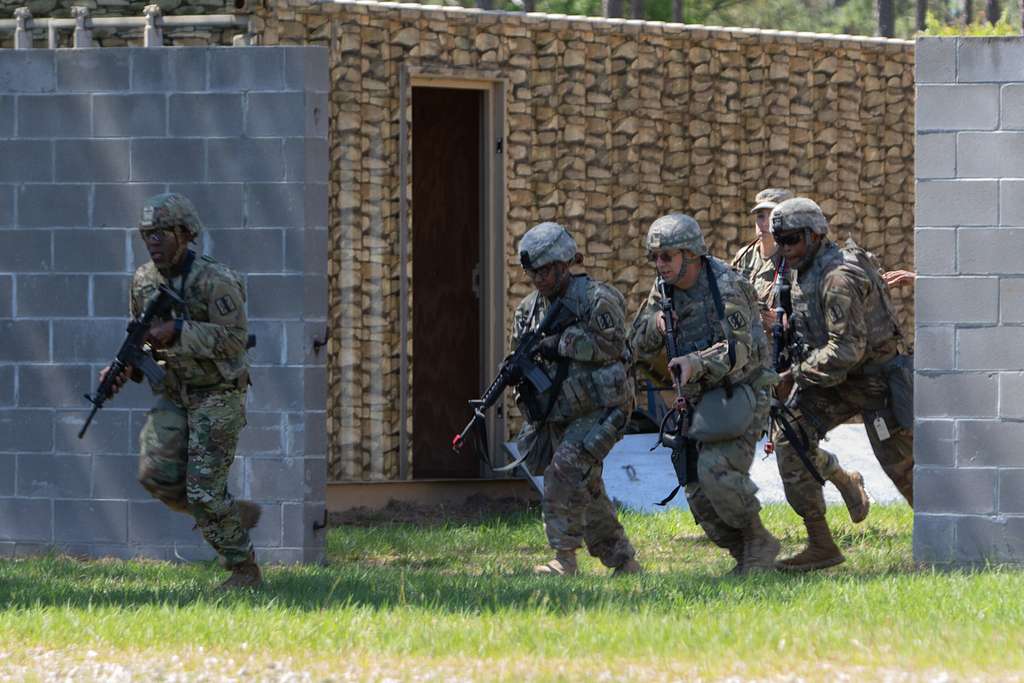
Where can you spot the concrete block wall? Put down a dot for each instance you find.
(969, 480)
(85, 137)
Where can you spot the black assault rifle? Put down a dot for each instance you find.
(132, 352)
(518, 367)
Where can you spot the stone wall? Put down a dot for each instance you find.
(969, 481)
(610, 124)
(85, 136)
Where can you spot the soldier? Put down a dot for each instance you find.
(841, 310)
(719, 333)
(189, 439)
(759, 262)
(572, 426)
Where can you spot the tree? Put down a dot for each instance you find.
(613, 8)
(992, 11)
(636, 10)
(968, 12)
(886, 20)
(677, 11)
(922, 15)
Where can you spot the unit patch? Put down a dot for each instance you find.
(736, 321)
(835, 313)
(605, 321)
(226, 305)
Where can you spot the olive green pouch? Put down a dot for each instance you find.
(719, 417)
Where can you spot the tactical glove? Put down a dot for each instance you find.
(548, 347)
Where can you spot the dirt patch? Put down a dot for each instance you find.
(474, 509)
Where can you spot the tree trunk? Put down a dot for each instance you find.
(529, 5)
(636, 10)
(992, 11)
(922, 14)
(485, 4)
(886, 20)
(613, 8)
(968, 12)
(677, 11)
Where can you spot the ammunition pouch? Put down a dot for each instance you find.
(585, 392)
(719, 417)
(605, 434)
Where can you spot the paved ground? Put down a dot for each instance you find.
(639, 478)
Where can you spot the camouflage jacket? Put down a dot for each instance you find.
(702, 335)
(210, 349)
(758, 271)
(841, 309)
(593, 347)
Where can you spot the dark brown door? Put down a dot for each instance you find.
(445, 258)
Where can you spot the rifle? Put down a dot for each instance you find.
(672, 433)
(132, 352)
(518, 367)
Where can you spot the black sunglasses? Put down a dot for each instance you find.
(789, 239)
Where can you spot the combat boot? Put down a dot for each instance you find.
(821, 550)
(564, 564)
(248, 513)
(244, 575)
(760, 548)
(736, 550)
(630, 566)
(851, 485)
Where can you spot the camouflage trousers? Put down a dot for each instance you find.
(185, 455)
(724, 498)
(820, 409)
(576, 507)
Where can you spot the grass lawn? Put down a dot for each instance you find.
(458, 602)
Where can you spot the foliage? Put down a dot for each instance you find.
(980, 27)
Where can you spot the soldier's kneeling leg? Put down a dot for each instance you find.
(163, 453)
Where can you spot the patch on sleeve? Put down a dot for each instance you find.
(605, 321)
(836, 313)
(736, 321)
(225, 305)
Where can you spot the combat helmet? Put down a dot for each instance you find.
(676, 231)
(546, 243)
(798, 213)
(170, 210)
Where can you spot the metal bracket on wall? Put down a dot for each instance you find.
(317, 526)
(320, 343)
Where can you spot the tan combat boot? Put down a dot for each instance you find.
(851, 485)
(245, 575)
(564, 564)
(736, 550)
(630, 566)
(821, 550)
(760, 548)
(249, 513)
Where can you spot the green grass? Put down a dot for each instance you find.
(459, 601)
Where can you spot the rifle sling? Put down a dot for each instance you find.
(716, 296)
(796, 436)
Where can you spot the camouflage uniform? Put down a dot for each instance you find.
(587, 416)
(723, 500)
(189, 439)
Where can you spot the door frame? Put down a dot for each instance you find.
(493, 134)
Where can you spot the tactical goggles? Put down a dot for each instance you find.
(789, 239)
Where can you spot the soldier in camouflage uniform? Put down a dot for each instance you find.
(759, 262)
(189, 439)
(719, 346)
(572, 426)
(842, 312)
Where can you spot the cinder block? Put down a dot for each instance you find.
(1013, 540)
(1012, 109)
(93, 70)
(954, 491)
(268, 533)
(85, 251)
(299, 337)
(206, 115)
(299, 519)
(104, 161)
(219, 204)
(110, 295)
(172, 70)
(305, 251)
(6, 296)
(957, 202)
(129, 116)
(956, 299)
(1011, 491)
(989, 443)
(262, 434)
(243, 159)
(990, 155)
(269, 342)
(25, 251)
(306, 159)
(315, 388)
(280, 480)
(307, 435)
(87, 341)
(117, 477)
(53, 206)
(41, 475)
(53, 296)
(935, 60)
(7, 471)
(168, 160)
(54, 116)
(251, 68)
(25, 430)
(306, 68)
(109, 432)
(7, 217)
(193, 553)
(26, 161)
(990, 60)
(1011, 202)
(25, 341)
(120, 205)
(249, 251)
(314, 296)
(957, 107)
(1011, 395)
(286, 556)
(154, 523)
(53, 386)
(990, 251)
(7, 116)
(316, 203)
(7, 373)
(980, 539)
(274, 296)
(275, 205)
(955, 395)
(23, 519)
(990, 348)
(276, 388)
(277, 114)
(934, 348)
(27, 71)
(934, 538)
(1011, 300)
(935, 251)
(935, 155)
(95, 521)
